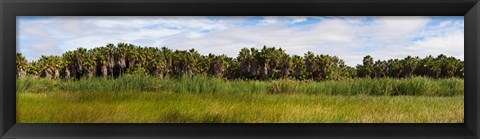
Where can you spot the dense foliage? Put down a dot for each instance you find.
(260, 64)
(416, 86)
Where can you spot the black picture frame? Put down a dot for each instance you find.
(470, 9)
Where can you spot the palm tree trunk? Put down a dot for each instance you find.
(57, 73)
(264, 71)
(297, 72)
(21, 73)
(254, 69)
(105, 71)
(271, 72)
(48, 75)
(122, 63)
(90, 72)
(67, 73)
(111, 71)
(157, 73)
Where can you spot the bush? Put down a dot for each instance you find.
(36, 85)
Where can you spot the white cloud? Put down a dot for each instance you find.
(451, 44)
(394, 29)
(298, 19)
(350, 38)
(445, 38)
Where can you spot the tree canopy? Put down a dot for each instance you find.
(267, 63)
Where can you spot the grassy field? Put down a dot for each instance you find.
(417, 86)
(134, 99)
(152, 107)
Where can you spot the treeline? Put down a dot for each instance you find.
(259, 64)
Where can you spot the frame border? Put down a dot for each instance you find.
(9, 9)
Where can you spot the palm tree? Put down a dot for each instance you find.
(122, 57)
(57, 63)
(328, 67)
(90, 63)
(142, 56)
(298, 66)
(436, 69)
(286, 66)
(206, 64)
(394, 68)
(460, 70)
(324, 64)
(409, 65)
(254, 63)
(34, 69)
(263, 59)
(451, 66)
(101, 54)
(203, 65)
(178, 62)
(110, 57)
(21, 63)
(46, 70)
(50, 66)
(347, 71)
(442, 61)
(192, 57)
(69, 64)
(380, 68)
(425, 65)
(310, 64)
(232, 69)
(132, 56)
(217, 67)
(368, 65)
(156, 62)
(274, 60)
(244, 58)
(335, 68)
(78, 61)
(167, 56)
(184, 61)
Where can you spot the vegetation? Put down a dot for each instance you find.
(253, 64)
(154, 107)
(125, 83)
(414, 86)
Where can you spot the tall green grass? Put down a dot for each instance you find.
(154, 107)
(416, 86)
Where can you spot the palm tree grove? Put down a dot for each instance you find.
(268, 63)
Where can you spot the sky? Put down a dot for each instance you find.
(349, 38)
